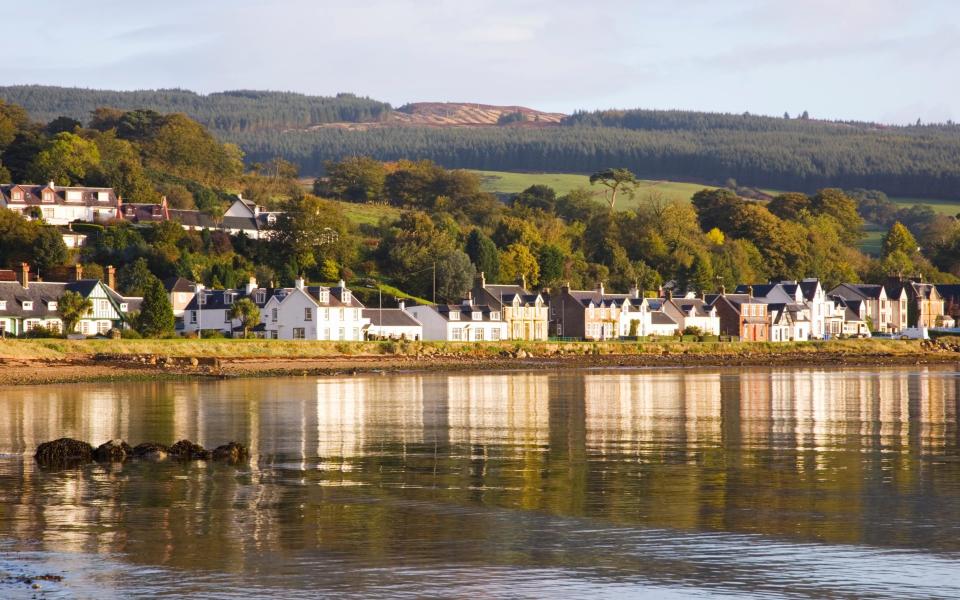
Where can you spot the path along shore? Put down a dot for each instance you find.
(26, 362)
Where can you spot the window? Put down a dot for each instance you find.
(47, 213)
(324, 297)
(260, 297)
(27, 305)
(273, 334)
(478, 334)
(298, 333)
(193, 316)
(103, 327)
(307, 314)
(226, 316)
(228, 298)
(48, 196)
(340, 316)
(356, 333)
(456, 334)
(3, 328)
(124, 307)
(356, 314)
(476, 315)
(342, 334)
(326, 314)
(346, 296)
(18, 195)
(494, 334)
(273, 314)
(3, 305)
(326, 333)
(52, 305)
(454, 316)
(495, 316)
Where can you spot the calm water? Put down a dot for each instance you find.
(666, 483)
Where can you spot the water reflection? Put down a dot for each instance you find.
(663, 479)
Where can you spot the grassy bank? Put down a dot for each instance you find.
(53, 349)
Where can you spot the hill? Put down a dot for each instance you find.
(710, 148)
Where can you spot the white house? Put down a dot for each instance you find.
(693, 312)
(465, 322)
(392, 324)
(26, 304)
(60, 205)
(209, 310)
(314, 313)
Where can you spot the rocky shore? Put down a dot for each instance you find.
(240, 360)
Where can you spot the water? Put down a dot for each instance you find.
(664, 483)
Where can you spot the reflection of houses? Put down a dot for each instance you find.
(60, 205)
(525, 313)
(492, 409)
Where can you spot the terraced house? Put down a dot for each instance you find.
(314, 313)
(586, 314)
(59, 205)
(524, 312)
(26, 303)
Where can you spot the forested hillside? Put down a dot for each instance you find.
(780, 153)
(224, 112)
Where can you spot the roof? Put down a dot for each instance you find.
(857, 291)
(86, 196)
(465, 312)
(143, 212)
(178, 284)
(41, 293)
(390, 317)
(949, 291)
(661, 318)
(699, 306)
(192, 218)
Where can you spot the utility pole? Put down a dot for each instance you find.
(434, 282)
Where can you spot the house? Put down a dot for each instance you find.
(524, 312)
(645, 317)
(146, 213)
(741, 315)
(59, 205)
(588, 315)
(855, 322)
(208, 310)
(72, 239)
(693, 312)
(392, 324)
(950, 293)
(886, 314)
(803, 312)
(925, 307)
(26, 303)
(314, 313)
(181, 292)
(464, 322)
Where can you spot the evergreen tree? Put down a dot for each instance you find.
(48, 249)
(156, 313)
(899, 239)
(483, 254)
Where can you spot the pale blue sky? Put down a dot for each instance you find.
(887, 60)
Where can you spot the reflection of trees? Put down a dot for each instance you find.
(363, 465)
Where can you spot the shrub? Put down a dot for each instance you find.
(41, 331)
(130, 334)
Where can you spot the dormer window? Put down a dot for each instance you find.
(18, 195)
(346, 296)
(324, 297)
(228, 298)
(3, 305)
(52, 305)
(124, 307)
(260, 297)
(495, 316)
(48, 196)
(27, 305)
(476, 315)
(454, 316)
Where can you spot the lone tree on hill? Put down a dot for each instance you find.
(72, 306)
(615, 180)
(156, 313)
(245, 311)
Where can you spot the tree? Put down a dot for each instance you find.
(715, 208)
(899, 239)
(542, 197)
(790, 205)
(356, 178)
(483, 253)
(245, 311)
(72, 307)
(65, 160)
(156, 313)
(834, 203)
(615, 180)
(135, 278)
(518, 262)
(455, 275)
(48, 249)
(552, 261)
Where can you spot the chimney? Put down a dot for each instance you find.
(52, 185)
(111, 277)
(600, 288)
(523, 281)
(481, 280)
(251, 285)
(342, 284)
(77, 272)
(402, 304)
(723, 290)
(635, 291)
(750, 291)
(298, 282)
(468, 301)
(669, 295)
(23, 275)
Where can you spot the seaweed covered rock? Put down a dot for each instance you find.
(232, 453)
(113, 451)
(151, 451)
(187, 450)
(63, 451)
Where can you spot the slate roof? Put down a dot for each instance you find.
(143, 213)
(41, 293)
(856, 291)
(390, 317)
(699, 306)
(33, 195)
(178, 284)
(661, 318)
(465, 312)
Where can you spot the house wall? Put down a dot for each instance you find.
(527, 322)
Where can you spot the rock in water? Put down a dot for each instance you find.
(151, 451)
(232, 452)
(64, 451)
(187, 450)
(113, 451)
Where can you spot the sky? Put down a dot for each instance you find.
(882, 60)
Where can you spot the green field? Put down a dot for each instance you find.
(369, 214)
(944, 207)
(510, 183)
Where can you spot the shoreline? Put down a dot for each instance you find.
(36, 362)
